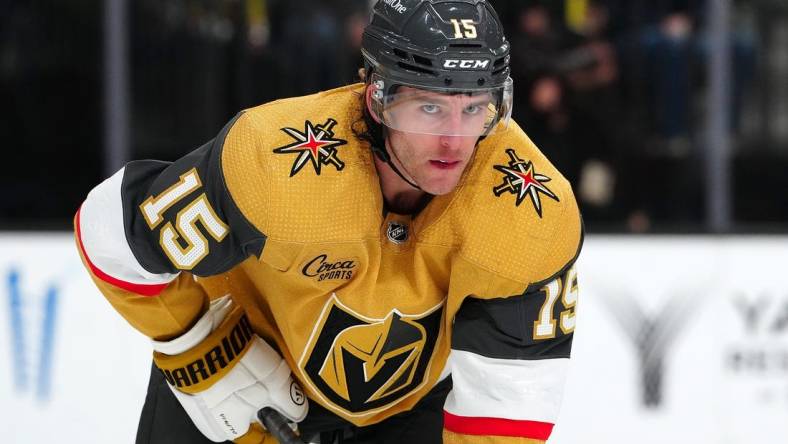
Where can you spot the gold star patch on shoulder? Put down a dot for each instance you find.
(522, 180)
(316, 144)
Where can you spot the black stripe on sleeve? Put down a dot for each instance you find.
(503, 328)
(146, 178)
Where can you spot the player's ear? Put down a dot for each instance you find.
(371, 106)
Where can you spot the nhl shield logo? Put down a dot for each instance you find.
(361, 365)
(397, 232)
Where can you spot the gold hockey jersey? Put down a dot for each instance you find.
(283, 210)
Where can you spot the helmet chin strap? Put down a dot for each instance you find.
(383, 155)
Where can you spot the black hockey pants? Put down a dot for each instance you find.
(163, 421)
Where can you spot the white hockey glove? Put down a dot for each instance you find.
(223, 373)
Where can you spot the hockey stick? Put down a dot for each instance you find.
(277, 425)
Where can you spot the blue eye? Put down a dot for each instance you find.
(472, 109)
(430, 108)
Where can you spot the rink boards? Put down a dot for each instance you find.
(679, 339)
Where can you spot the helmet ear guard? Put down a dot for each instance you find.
(374, 100)
(375, 132)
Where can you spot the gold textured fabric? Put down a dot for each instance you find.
(166, 316)
(256, 435)
(458, 438)
(469, 242)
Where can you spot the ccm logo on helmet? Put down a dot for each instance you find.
(466, 64)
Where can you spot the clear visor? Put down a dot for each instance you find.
(444, 112)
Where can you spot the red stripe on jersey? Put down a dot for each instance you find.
(496, 426)
(141, 289)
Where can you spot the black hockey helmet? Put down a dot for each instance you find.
(438, 46)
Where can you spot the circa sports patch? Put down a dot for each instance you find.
(315, 145)
(325, 268)
(521, 179)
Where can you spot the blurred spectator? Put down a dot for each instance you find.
(570, 105)
(669, 48)
(658, 45)
(664, 66)
(664, 62)
(354, 16)
(540, 102)
(610, 90)
(537, 44)
(308, 47)
(592, 73)
(664, 51)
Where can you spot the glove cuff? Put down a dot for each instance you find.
(204, 326)
(213, 356)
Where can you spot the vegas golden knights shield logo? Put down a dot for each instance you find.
(361, 364)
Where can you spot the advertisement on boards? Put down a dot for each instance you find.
(72, 370)
(679, 339)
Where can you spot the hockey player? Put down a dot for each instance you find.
(386, 262)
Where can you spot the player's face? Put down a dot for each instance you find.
(436, 162)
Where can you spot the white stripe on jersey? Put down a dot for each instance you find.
(104, 238)
(506, 388)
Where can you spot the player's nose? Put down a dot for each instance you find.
(451, 130)
(450, 142)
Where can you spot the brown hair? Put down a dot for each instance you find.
(364, 127)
